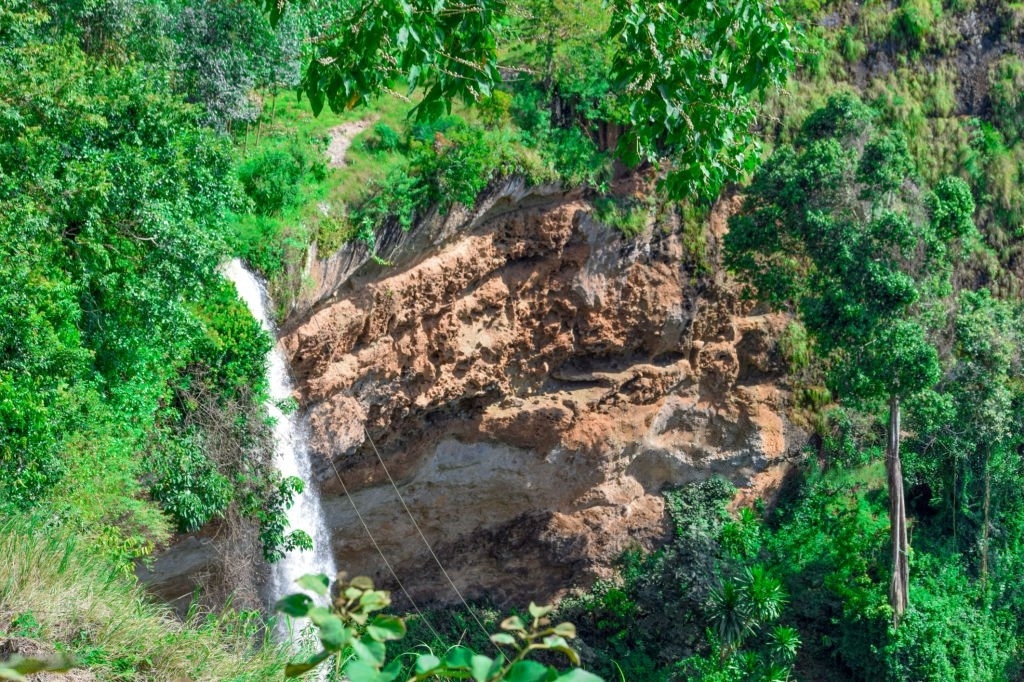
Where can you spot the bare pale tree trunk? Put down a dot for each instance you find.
(898, 598)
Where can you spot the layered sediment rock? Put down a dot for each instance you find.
(530, 381)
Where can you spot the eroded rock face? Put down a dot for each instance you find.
(531, 382)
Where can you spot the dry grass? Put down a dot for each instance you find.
(76, 602)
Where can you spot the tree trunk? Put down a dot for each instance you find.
(984, 528)
(898, 598)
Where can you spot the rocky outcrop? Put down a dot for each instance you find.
(522, 382)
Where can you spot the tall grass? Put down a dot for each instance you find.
(54, 589)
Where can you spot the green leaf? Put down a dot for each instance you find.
(482, 667)
(386, 628)
(361, 582)
(527, 671)
(296, 605)
(503, 638)
(540, 611)
(318, 614)
(317, 583)
(459, 657)
(513, 623)
(333, 633)
(296, 669)
(567, 630)
(360, 671)
(577, 675)
(370, 651)
(374, 601)
(426, 663)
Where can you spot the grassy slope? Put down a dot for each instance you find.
(53, 589)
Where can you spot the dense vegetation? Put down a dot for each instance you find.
(143, 143)
(131, 376)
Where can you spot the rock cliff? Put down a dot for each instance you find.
(530, 381)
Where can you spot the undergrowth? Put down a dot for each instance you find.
(55, 589)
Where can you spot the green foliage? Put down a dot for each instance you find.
(388, 138)
(450, 162)
(689, 72)
(186, 483)
(355, 638)
(232, 353)
(66, 596)
(827, 229)
(684, 74)
(1006, 80)
(268, 501)
(271, 179)
(119, 339)
(17, 667)
(951, 632)
(574, 157)
(496, 111)
(913, 23)
(628, 217)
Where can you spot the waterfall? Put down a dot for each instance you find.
(291, 456)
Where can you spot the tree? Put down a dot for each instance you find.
(222, 51)
(966, 425)
(836, 231)
(689, 71)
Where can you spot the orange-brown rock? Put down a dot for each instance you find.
(531, 382)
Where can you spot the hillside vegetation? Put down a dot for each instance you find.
(145, 142)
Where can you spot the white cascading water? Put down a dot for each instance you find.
(291, 456)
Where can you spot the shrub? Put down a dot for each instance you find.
(386, 138)
(627, 217)
(271, 180)
(496, 111)
(949, 634)
(574, 156)
(1006, 82)
(187, 484)
(913, 22)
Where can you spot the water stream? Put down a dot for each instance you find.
(291, 456)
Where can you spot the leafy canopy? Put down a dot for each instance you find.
(837, 230)
(685, 73)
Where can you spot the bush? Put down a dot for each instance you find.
(387, 138)
(629, 218)
(496, 111)
(1006, 82)
(271, 180)
(913, 23)
(187, 484)
(949, 633)
(574, 156)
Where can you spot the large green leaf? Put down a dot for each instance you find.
(386, 628)
(295, 605)
(577, 675)
(371, 651)
(333, 633)
(316, 583)
(483, 668)
(361, 671)
(527, 671)
(426, 663)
